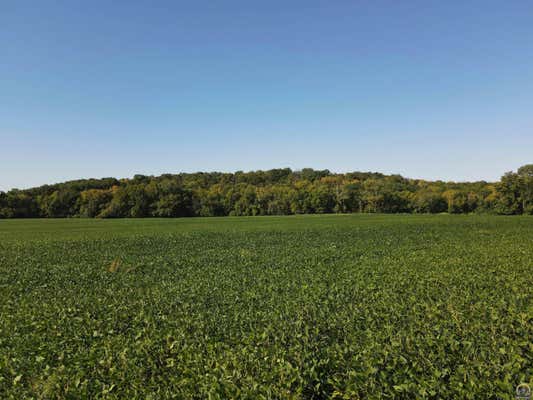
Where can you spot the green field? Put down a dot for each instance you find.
(301, 307)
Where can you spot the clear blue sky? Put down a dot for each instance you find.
(429, 89)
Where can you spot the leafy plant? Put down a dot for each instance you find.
(301, 307)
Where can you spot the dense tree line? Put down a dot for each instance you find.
(273, 192)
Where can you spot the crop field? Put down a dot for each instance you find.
(298, 307)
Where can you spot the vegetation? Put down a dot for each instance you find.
(274, 192)
(301, 307)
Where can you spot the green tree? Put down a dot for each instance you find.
(351, 197)
(509, 194)
(93, 202)
(525, 176)
(176, 204)
(60, 204)
(429, 200)
(19, 204)
(272, 192)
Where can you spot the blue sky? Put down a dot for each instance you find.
(427, 89)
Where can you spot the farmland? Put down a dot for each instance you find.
(297, 307)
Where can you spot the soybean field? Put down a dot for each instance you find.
(293, 307)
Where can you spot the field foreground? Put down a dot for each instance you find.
(302, 307)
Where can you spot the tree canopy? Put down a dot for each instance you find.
(272, 192)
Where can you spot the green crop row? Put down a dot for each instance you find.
(316, 307)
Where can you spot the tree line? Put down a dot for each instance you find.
(272, 192)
